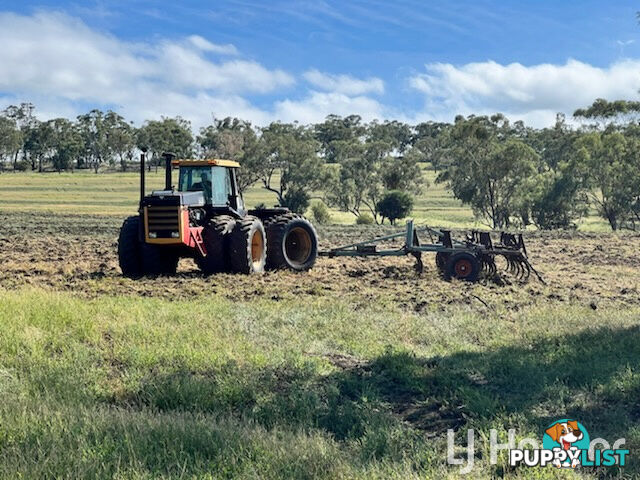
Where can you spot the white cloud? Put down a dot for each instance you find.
(345, 84)
(65, 67)
(57, 61)
(206, 46)
(187, 68)
(533, 93)
(317, 105)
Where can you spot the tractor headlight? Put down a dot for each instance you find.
(153, 235)
(175, 234)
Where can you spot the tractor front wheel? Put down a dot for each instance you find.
(248, 246)
(463, 266)
(129, 248)
(137, 259)
(157, 260)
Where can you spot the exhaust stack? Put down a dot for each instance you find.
(142, 167)
(167, 169)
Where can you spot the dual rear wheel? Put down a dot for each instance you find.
(233, 245)
(247, 245)
(292, 242)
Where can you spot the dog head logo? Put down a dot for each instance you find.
(565, 434)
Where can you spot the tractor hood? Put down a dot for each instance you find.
(171, 197)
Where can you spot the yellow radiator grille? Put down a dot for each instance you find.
(161, 219)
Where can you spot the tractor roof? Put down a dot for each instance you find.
(205, 162)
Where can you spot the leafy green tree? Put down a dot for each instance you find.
(373, 167)
(290, 166)
(10, 139)
(68, 141)
(558, 200)
(338, 135)
(297, 200)
(39, 143)
(107, 137)
(234, 139)
(120, 139)
(321, 214)
(559, 195)
(613, 163)
(403, 173)
(94, 133)
(394, 205)
(490, 171)
(24, 118)
(396, 135)
(165, 135)
(357, 184)
(604, 112)
(432, 140)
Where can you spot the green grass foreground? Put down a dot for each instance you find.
(124, 387)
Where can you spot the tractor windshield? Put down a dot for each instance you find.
(213, 182)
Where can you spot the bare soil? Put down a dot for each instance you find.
(78, 253)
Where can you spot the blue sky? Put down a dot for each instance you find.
(300, 60)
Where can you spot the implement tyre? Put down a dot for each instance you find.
(463, 266)
(216, 236)
(248, 246)
(292, 242)
(130, 249)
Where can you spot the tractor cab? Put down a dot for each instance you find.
(216, 179)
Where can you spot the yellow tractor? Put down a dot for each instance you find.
(205, 218)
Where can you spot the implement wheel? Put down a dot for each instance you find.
(248, 246)
(292, 242)
(129, 248)
(462, 266)
(215, 237)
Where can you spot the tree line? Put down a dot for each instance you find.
(510, 174)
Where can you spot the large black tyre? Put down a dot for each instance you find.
(292, 242)
(463, 266)
(159, 260)
(248, 246)
(215, 236)
(129, 248)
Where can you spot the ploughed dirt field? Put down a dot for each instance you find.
(355, 369)
(77, 253)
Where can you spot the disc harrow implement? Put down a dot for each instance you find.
(466, 259)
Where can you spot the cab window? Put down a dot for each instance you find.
(214, 182)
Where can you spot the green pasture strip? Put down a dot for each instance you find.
(118, 193)
(127, 387)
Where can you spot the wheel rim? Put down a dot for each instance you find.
(257, 248)
(463, 268)
(297, 246)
